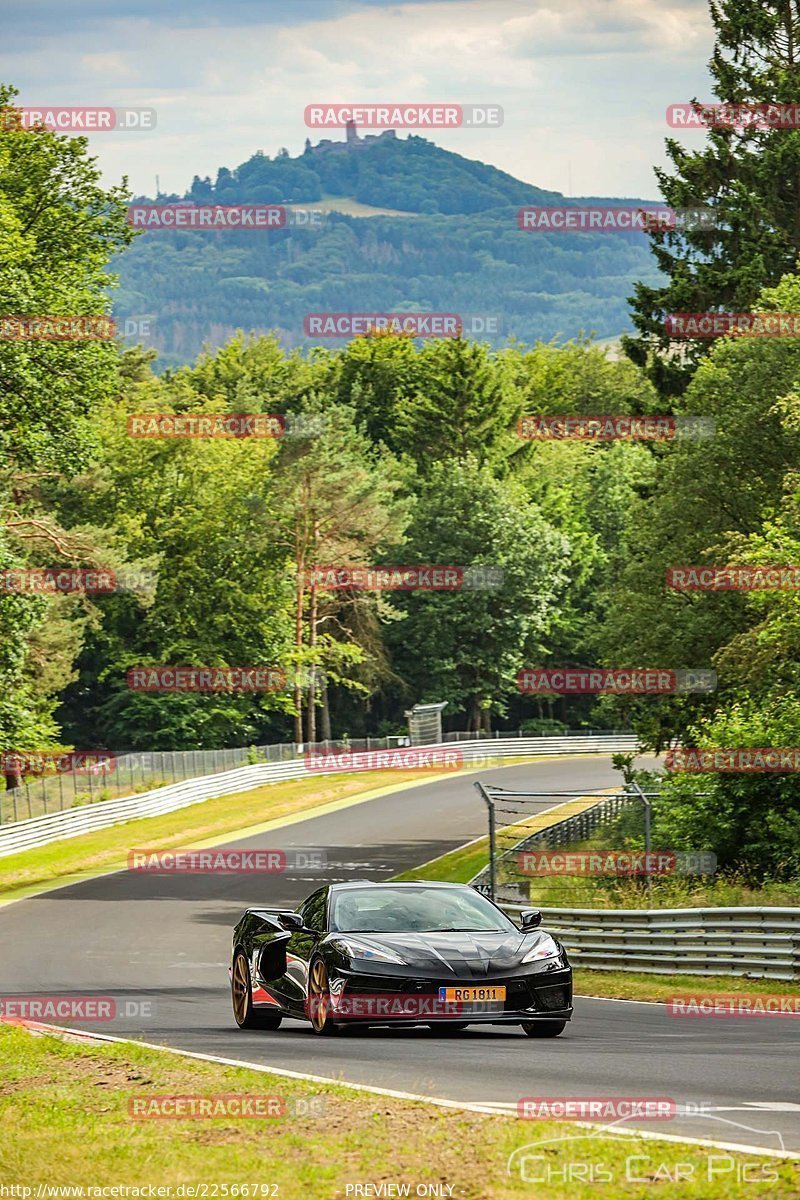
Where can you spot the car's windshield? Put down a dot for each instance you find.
(415, 910)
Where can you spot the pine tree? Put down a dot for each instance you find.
(749, 176)
(465, 408)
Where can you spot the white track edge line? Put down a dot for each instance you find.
(462, 1105)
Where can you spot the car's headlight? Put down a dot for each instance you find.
(361, 950)
(546, 948)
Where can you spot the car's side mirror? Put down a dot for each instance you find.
(291, 920)
(530, 918)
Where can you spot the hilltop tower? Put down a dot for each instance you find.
(350, 133)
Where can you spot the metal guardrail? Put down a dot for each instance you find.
(39, 831)
(143, 771)
(759, 942)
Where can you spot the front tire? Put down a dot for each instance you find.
(246, 1015)
(319, 1001)
(544, 1029)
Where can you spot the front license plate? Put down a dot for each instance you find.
(475, 995)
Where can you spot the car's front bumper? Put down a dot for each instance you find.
(374, 999)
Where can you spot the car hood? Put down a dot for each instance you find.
(462, 955)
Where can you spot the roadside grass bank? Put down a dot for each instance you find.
(625, 985)
(66, 1115)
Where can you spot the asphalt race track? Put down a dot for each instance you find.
(166, 939)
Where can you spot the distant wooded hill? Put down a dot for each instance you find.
(459, 251)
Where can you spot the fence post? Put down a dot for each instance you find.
(647, 846)
(490, 806)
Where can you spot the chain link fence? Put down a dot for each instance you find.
(129, 774)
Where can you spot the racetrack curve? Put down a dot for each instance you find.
(166, 939)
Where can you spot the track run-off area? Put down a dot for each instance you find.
(161, 943)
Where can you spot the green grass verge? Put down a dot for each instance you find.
(625, 985)
(64, 1109)
(459, 866)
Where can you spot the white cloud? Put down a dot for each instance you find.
(585, 83)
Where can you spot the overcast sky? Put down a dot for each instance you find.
(584, 83)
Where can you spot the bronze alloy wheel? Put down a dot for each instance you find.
(319, 999)
(247, 1016)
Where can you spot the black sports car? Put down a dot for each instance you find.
(363, 953)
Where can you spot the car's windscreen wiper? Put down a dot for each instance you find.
(441, 929)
